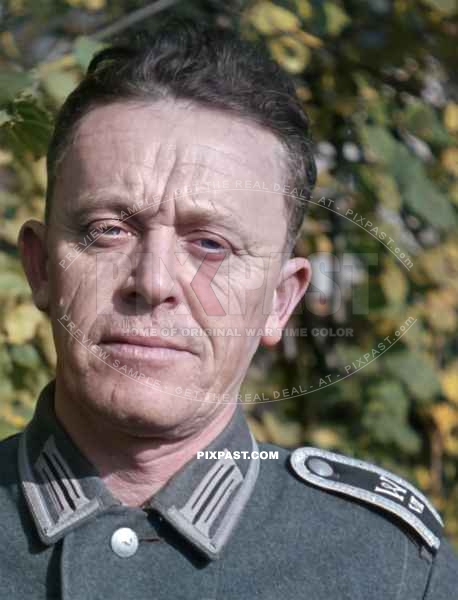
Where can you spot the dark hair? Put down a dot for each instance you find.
(214, 68)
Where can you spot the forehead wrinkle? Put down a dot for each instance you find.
(233, 158)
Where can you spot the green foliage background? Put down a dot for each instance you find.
(374, 77)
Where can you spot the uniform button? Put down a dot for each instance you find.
(124, 542)
(320, 467)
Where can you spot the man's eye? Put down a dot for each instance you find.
(105, 229)
(113, 231)
(211, 245)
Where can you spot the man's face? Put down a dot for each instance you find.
(132, 253)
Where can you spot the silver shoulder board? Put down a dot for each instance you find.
(371, 484)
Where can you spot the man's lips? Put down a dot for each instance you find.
(143, 347)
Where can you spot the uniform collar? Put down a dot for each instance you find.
(202, 501)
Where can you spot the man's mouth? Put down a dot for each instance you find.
(147, 348)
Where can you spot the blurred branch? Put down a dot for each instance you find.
(132, 18)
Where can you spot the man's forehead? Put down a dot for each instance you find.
(200, 138)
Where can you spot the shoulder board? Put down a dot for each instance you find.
(370, 484)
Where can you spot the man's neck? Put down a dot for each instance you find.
(133, 468)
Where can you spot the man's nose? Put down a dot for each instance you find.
(154, 272)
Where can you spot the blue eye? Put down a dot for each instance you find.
(214, 245)
(111, 231)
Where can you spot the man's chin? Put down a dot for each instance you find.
(144, 412)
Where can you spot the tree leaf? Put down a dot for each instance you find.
(30, 129)
(84, 49)
(21, 323)
(290, 53)
(13, 284)
(5, 117)
(451, 117)
(422, 121)
(386, 415)
(379, 144)
(12, 83)
(417, 372)
(420, 194)
(25, 356)
(394, 284)
(447, 7)
(449, 382)
(336, 18)
(268, 18)
(59, 84)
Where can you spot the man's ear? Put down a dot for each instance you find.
(295, 277)
(34, 258)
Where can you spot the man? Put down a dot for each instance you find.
(169, 223)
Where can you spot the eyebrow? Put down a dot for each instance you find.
(119, 201)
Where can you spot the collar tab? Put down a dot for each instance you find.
(57, 503)
(208, 515)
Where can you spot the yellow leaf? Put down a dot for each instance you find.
(449, 382)
(67, 61)
(440, 309)
(387, 189)
(423, 477)
(268, 18)
(94, 4)
(369, 93)
(22, 322)
(394, 284)
(323, 243)
(451, 445)
(304, 8)
(445, 416)
(12, 419)
(304, 93)
(385, 325)
(290, 54)
(449, 160)
(451, 116)
(336, 18)
(439, 265)
(325, 437)
(309, 40)
(39, 172)
(9, 228)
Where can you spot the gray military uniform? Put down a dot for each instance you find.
(311, 525)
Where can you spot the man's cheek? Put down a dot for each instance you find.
(109, 272)
(87, 284)
(230, 290)
(75, 292)
(246, 281)
(210, 290)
